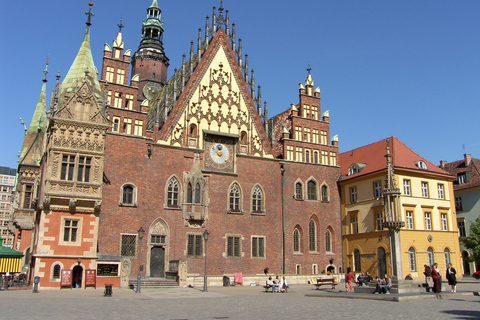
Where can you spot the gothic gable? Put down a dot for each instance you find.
(216, 99)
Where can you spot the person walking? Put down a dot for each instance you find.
(348, 280)
(437, 286)
(452, 278)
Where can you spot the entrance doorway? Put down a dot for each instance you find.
(157, 261)
(382, 262)
(77, 276)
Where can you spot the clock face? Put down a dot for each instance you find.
(219, 153)
(151, 89)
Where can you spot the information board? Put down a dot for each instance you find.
(90, 278)
(66, 280)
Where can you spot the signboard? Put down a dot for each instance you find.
(66, 280)
(107, 270)
(90, 278)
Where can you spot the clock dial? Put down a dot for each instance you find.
(219, 153)
(151, 89)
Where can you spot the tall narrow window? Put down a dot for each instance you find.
(379, 221)
(328, 241)
(425, 189)
(428, 221)
(377, 190)
(56, 271)
(27, 199)
(312, 236)
(315, 156)
(233, 246)
(70, 230)
(307, 156)
(257, 198)
(129, 243)
(441, 191)
(357, 260)
(189, 193)
(234, 198)
(172, 193)
(127, 195)
(68, 165)
(312, 190)
(409, 220)
(298, 191)
(458, 204)
(197, 193)
(354, 224)
(443, 217)
(406, 188)
(84, 166)
(138, 129)
(446, 256)
(325, 194)
(430, 256)
(461, 228)
(412, 259)
(296, 240)
(353, 195)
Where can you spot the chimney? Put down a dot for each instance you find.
(442, 164)
(468, 159)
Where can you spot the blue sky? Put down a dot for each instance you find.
(409, 69)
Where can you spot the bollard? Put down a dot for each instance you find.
(108, 290)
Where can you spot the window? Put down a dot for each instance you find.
(127, 126)
(410, 220)
(428, 221)
(458, 204)
(84, 166)
(118, 100)
(312, 236)
(462, 178)
(312, 190)
(234, 198)
(195, 245)
(430, 256)
(68, 165)
(354, 225)
(172, 193)
(120, 76)
(315, 135)
(129, 242)
(109, 75)
(421, 165)
(307, 156)
(323, 138)
(189, 193)
(289, 153)
(298, 191)
(296, 240)
(258, 247)
(70, 230)
(298, 133)
(333, 159)
(406, 188)
(257, 199)
(328, 241)
(461, 228)
(357, 260)
(27, 199)
(412, 259)
(425, 189)
(353, 195)
(116, 124)
(377, 189)
(379, 221)
(197, 193)
(306, 111)
(441, 192)
(233, 247)
(325, 194)
(137, 130)
(325, 157)
(56, 271)
(315, 157)
(128, 195)
(443, 217)
(129, 101)
(299, 154)
(158, 239)
(314, 113)
(306, 135)
(446, 256)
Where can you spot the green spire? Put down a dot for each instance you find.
(33, 141)
(152, 29)
(83, 67)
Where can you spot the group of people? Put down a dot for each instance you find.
(382, 285)
(364, 279)
(278, 285)
(436, 275)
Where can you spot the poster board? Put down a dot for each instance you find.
(66, 279)
(91, 278)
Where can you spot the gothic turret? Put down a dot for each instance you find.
(150, 62)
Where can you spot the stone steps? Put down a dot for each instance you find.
(154, 283)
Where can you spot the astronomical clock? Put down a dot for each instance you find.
(219, 153)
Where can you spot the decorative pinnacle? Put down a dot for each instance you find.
(89, 14)
(45, 71)
(120, 26)
(309, 68)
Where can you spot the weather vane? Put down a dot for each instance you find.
(309, 68)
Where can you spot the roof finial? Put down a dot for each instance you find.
(120, 26)
(45, 71)
(309, 68)
(89, 13)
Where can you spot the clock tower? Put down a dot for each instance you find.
(150, 62)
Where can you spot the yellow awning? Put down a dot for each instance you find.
(10, 265)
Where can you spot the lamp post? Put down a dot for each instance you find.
(141, 232)
(205, 238)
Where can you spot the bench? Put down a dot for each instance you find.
(321, 282)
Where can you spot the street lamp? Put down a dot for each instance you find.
(205, 238)
(141, 232)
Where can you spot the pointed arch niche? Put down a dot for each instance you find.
(158, 248)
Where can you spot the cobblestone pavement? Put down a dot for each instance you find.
(301, 302)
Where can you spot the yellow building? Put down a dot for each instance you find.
(392, 197)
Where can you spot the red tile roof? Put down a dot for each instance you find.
(472, 172)
(373, 156)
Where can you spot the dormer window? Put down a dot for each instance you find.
(355, 168)
(421, 165)
(462, 178)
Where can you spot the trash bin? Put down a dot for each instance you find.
(36, 281)
(108, 290)
(226, 281)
